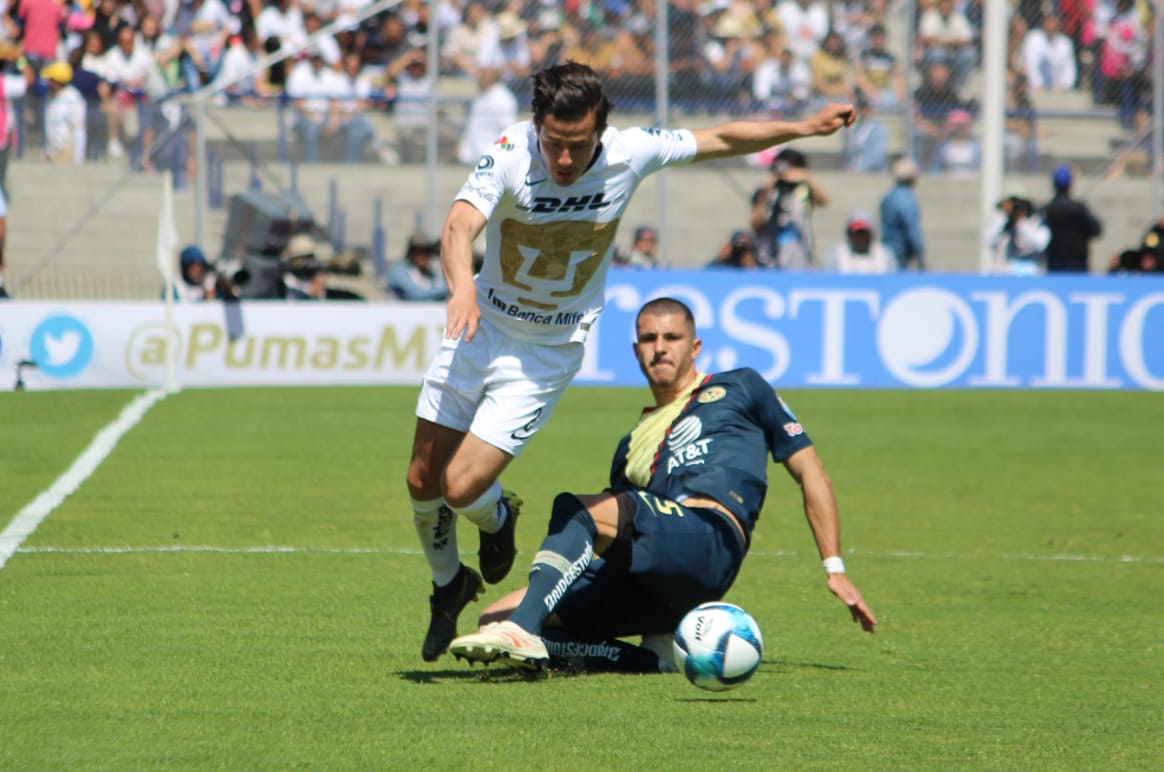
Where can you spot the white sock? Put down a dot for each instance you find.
(436, 526)
(487, 512)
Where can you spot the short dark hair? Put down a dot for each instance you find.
(660, 306)
(570, 92)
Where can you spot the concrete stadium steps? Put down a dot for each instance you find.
(113, 256)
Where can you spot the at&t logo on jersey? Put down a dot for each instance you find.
(686, 444)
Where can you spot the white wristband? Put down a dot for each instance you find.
(833, 565)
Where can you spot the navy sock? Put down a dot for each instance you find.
(613, 656)
(565, 553)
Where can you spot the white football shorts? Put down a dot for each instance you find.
(500, 389)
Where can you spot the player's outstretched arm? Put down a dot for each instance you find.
(820, 508)
(844, 589)
(462, 227)
(743, 137)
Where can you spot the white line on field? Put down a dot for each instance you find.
(29, 519)
(281, 549)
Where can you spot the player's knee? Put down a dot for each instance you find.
(421, 485)
(569, 507)
(462, 490)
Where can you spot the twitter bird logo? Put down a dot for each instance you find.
(61, 346)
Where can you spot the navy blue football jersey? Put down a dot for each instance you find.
(719, 444)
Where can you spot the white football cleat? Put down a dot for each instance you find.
(663, 646)
(502, 641)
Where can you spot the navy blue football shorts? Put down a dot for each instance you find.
(680, 557)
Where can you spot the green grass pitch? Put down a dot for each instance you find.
(1010, 542)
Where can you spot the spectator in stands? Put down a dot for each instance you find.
(196, 281)
(132, 72)
(1148, 257)
(854, 20)
(303, 269)
(832, 71)
(739, 251)
(326, 44)
(805, 24)
(15, 81)
(860, 252)
(933, 103)
(509, 52)
(1049, 57)
(205, 26)
(418, 276)
(163, 48)
(64, 118)
(412, 90)
(783, 213)
(41, 21)
(387, 43)
(901, 218)
(546, 45)
(1017, 236)
(1122, 60)
(643, 252)
(236, 71)
(685, 61)
(947, 38)
(590, 44)
(354, 93)
(1072, 226)
(866, 141)
(283, 20)
(731, 55)
(960, 154)
(466, 39)
(312, 88)
(101, 115)
(1021, 137)
(878, 75)
(781, 83)
(1152, 247)
(491, 112)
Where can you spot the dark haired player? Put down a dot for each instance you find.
(549, 195)
(686, 488)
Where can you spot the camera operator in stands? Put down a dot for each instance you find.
(303, 270)
(1017, 237)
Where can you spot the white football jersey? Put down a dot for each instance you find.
(547, 247)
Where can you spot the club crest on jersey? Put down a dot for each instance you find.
(686, 443)
(711, 394)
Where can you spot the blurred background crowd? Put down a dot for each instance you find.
(97, 80)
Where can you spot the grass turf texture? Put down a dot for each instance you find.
(963, 512)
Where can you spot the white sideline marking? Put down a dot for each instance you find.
(29, 519)
(277, 549)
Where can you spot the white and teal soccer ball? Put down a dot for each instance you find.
(718, 646)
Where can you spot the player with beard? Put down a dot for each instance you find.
(686, 488)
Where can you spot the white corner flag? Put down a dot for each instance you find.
(167, 230)
(167, 252)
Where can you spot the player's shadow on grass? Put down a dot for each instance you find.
(781, 664)
(490, 675)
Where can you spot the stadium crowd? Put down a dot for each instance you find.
(96, 74)
(107, 58)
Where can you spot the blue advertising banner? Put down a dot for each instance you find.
(900, 330)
